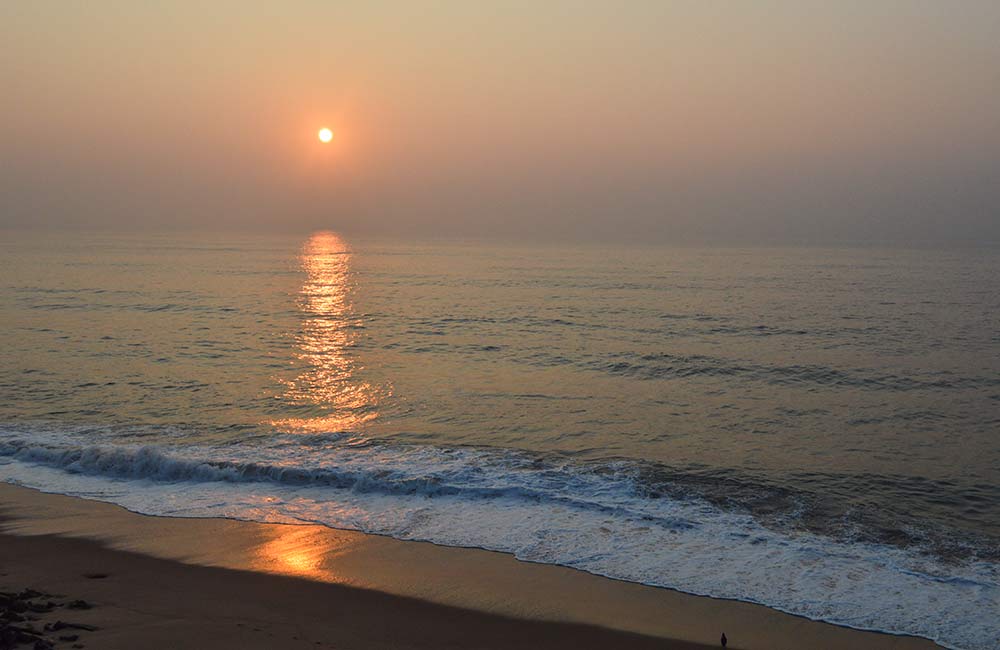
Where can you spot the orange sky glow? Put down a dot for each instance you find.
(681, 119)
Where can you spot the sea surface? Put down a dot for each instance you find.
(814, 429)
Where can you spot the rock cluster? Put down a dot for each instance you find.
(19, 621)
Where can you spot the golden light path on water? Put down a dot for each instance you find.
(328, 387)
(328, 378)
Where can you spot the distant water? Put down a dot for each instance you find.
(817, 430)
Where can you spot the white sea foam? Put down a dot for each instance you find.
(590, 517)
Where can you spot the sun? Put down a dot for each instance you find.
(325, 135)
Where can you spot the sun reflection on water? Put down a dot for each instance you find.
(328, 379)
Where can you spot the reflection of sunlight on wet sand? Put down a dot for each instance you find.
(327, 380)
(302, 551)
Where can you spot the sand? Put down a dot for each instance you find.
(157, 582)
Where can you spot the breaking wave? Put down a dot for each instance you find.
(727, 537)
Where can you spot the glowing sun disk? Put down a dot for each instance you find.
(325, 135)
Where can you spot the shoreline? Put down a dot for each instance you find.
(443, 596)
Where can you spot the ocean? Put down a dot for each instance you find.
(813, 429)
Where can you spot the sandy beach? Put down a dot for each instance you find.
(172, 582)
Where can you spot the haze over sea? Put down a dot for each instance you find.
(813, 429)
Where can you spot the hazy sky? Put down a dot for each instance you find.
(671, 121)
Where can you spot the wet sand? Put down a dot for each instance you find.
(157, 582)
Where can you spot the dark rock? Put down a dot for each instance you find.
(95, 576)
(29, 593)
(78, 604)
(41, 608)
(8, 638)
(63, 625)
(69, 637)
(25, 636)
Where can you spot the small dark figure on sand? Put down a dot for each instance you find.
(724, 640)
